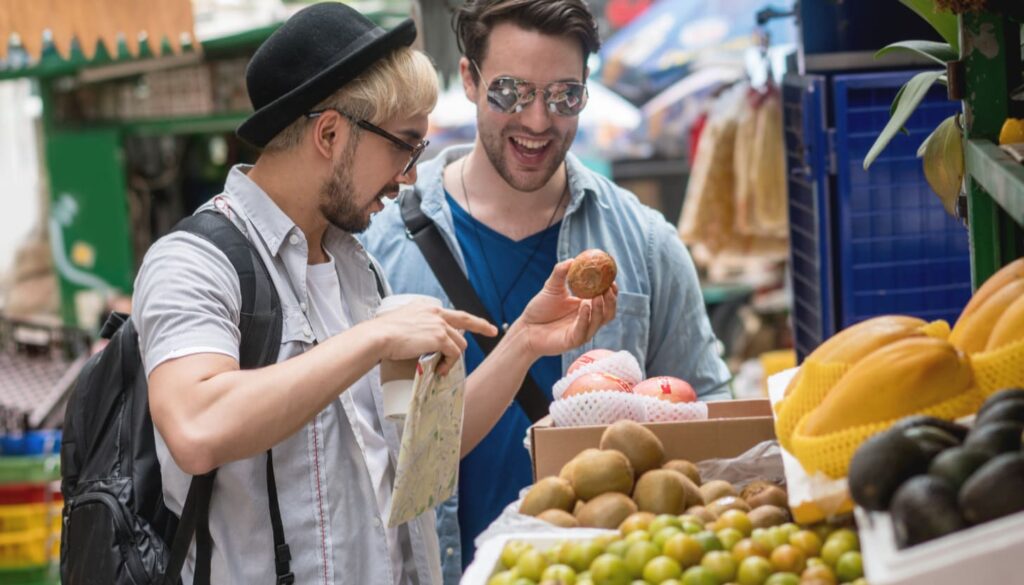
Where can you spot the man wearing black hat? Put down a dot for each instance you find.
(340, 111)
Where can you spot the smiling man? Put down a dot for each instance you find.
(516, 203)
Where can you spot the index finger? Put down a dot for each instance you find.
(471, 323)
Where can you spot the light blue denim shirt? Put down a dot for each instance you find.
(661, 317)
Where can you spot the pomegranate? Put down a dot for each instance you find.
(594, 382)
(591, 273)
(666, 388)
(589, 358)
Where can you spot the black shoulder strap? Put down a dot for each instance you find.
(260, 325)
(420, 229)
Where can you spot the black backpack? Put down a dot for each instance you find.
(117, 530)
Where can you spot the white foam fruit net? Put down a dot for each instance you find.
(603, 407)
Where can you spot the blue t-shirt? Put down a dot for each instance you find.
(491, 475)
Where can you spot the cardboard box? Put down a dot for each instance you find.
(733, 427)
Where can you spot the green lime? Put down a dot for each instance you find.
(560, 574)
(609, 569)
(663, 520)
(638, 555)
(783, 579)
(850, 566)
(685, 549)
(720, 564)
(661, 537)
(709, 541)
(661, 569)
(510, 553)
(753, 571)
(531, 564)
(504, 578)
(729, 537)
(699, 576)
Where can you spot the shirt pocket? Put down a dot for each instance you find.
(630, 329)
(296, 332)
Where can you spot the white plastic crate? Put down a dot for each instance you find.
(987, 554)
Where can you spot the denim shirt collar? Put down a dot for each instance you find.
(431, 184)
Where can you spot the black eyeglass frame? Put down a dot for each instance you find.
(415, 150)
(584, 98)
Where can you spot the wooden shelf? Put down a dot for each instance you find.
(997, 173)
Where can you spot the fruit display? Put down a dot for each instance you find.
(591, 274)
(935, 477)
(862, 380)
(673, 549)
(666, 388)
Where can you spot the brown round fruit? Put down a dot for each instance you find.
(591, 273)
(559, 518)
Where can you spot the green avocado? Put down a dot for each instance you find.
(957, 430)
(956, 465)
(880, 465)
(1008, 394)
(995, 437)
(1010, 410)
(924, 508)
(931, 440)
(995, 490)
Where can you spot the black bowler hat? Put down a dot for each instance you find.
(317, 51)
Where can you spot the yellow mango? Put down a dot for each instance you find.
(899, 379)
(1009, 328)
(1007, 274)
(972, 332)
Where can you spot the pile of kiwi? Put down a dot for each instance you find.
(936, 477)
(600, 488)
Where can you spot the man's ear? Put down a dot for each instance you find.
(469, 86)
(328, 130)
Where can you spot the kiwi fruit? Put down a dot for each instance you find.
(768, 495)
(768, 516)
(715, 489)
(686, 468)
(755, 487)
(548, 493)
(701, 513)
(598, 473)
(607, 510)
(566, 472)
(661, 491)
(642, 447)
(721, 505)
(559, 518)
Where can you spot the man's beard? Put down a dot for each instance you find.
(495, 145)
(338, 203)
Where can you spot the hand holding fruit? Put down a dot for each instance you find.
(555, 321)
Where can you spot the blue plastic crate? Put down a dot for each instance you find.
(866, 243)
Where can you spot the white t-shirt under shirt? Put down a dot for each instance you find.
(329, 317)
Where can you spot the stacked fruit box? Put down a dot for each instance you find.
(30, 508)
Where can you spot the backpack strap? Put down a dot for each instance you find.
(420, 229)
(260, 325)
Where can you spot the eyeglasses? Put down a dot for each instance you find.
(510, 95)
(415, 150)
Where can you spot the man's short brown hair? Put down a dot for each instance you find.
(474, 20)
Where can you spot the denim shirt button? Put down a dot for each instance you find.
(449, 551)
(377, 522)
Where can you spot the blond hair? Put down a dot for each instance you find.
(402, 84)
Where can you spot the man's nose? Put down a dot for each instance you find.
(535, 115)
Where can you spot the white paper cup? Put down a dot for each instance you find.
(397, 376)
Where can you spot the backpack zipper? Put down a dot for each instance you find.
(131, 555)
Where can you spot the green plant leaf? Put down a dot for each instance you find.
(943, 21)
(895, 104)
(910, 98)
(941, 53)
